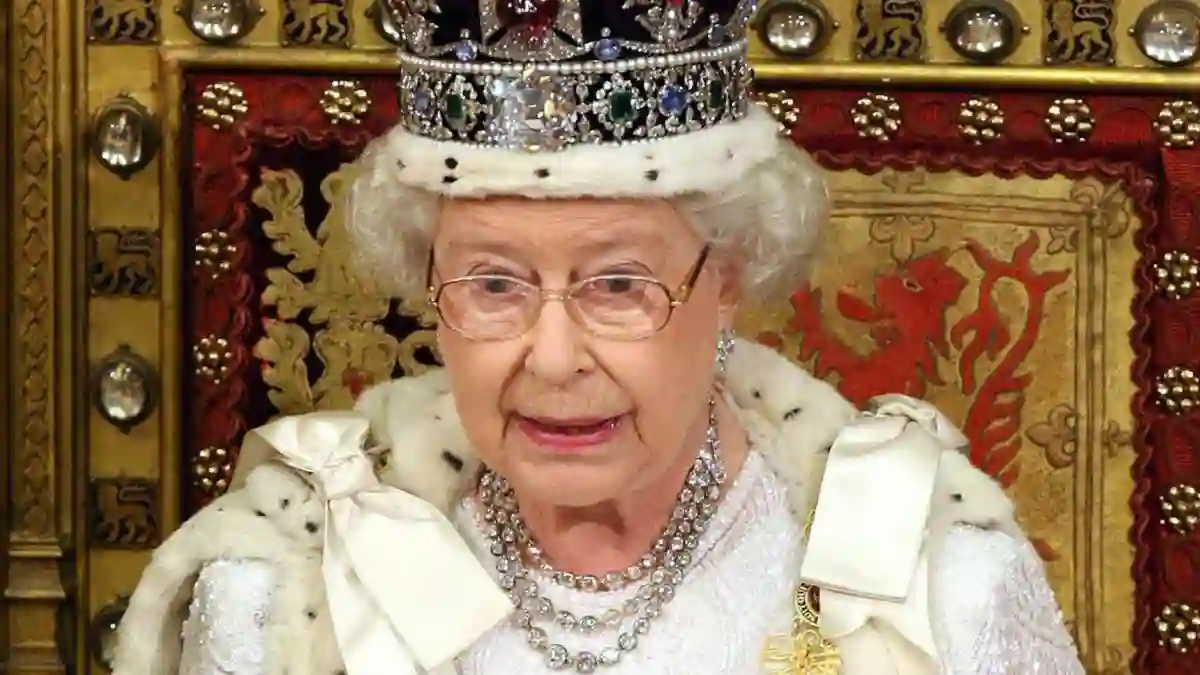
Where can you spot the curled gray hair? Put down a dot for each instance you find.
(770, 217)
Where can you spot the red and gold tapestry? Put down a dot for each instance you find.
(1015, 259)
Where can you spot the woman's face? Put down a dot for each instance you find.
(569, 418)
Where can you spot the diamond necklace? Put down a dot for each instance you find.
(659, 572)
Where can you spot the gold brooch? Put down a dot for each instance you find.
(804, 651)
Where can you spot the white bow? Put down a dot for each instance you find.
(405, 593)
(865, 550)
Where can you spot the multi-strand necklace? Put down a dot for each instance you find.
(657, 574)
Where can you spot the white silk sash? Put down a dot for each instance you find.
(865, 549)
(405, 593)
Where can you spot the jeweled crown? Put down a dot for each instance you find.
(547, 74)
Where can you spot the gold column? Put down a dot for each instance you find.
(44, 335)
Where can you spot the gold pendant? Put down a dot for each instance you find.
(804, 651)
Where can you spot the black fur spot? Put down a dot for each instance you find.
(453, 460)
(437, 418)
(260, 514)
(220, 509)
(449, 179)
(401, 165)
(652, 174)
(542, 173)
(284, 503)
(311, 614)
(957, 496)
(791, 414)
(311, 526)
(756, 393)
(451, 163)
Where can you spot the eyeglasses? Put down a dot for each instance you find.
(611, 306)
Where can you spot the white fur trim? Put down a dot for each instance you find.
(705, 161)
(791, 417)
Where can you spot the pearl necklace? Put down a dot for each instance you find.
(659, 572)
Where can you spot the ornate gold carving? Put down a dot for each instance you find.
(122, 21)
(316, 23)
(354, 349)
(804, 651)
(782, 107)
(124, 513)
(345, 102)
(1178, 626)
(1178, 390)
(1178, 124)
(211, 354)
(876, 116)
(1176, 274)
(214, 253)
(33, 285)
(1057, 436)
(980, 120)
(1069, 119)
(1079, 31)
(222, 104)
(891, 30)
(123, 261)
(212, 469)
(1180, 506)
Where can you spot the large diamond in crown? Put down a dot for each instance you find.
(534, 113)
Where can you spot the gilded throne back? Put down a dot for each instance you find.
(1012, 240)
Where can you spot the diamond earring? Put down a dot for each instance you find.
(724, 349)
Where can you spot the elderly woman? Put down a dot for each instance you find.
(602, 478)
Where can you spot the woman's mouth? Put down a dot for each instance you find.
(569, 434)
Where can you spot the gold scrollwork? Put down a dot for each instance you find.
(890, 30)
(316, 23)
(354, 348)
(124, 513)
(1057, 436)
(123, 261)
(1080, 32)
(122, 21)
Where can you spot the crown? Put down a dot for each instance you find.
(540, 75)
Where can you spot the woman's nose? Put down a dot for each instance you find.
(557, 349)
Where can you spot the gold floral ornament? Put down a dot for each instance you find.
(211, 354)
(1176, 274)
(1178, 389)
(980, 120)
(222, 104)
(804, 651)
(1070, 120)
(343, 311)
(212, 470)
(345, 102)
(1178, 124)
(782, 107)
(214, 253)
(1178, 626)
(876, 116)
(1180, 506)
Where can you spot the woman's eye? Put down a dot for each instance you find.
(498, 285)
(616, 285)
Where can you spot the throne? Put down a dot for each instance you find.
(1013, 239)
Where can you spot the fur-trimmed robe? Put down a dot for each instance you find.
(272, 514)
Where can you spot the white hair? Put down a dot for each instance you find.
(769, 218)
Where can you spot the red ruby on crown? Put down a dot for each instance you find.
(538, 15)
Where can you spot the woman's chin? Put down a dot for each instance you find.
(570, 485)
